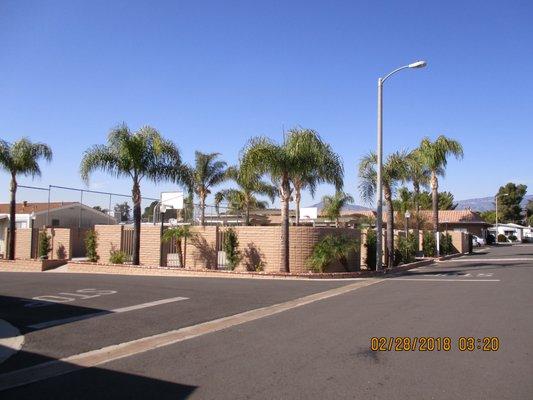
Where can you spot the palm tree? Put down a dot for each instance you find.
(418, 174)
(434, 155)
(334, 204)
(263, 156)
(178, 233)
(206, 173)
(137, 155)
(243, 198)
(20, 158)
(325, 165)
(394, 170)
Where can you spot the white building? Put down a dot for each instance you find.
(508, 230)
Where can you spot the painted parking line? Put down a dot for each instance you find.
(48, 324)
(488, 260)
(443, 280)
(110, 353)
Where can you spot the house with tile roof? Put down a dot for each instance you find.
(53, 214)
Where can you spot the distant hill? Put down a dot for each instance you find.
(485, 203)
(349, 207)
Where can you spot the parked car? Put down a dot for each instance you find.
(477, 241)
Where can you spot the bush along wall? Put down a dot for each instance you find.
(231, 245)
(91, 245)
(446, 245)
(370, 245)
(429, 246)
(44, 245)
(405, 251)
(330, 249)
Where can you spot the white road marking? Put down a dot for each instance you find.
(11, 340)
(442, 280)
(488, 260)
(81, 294)
(100, 313)
(110, 353)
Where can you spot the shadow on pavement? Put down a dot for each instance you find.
(91, 383)
(15, 311)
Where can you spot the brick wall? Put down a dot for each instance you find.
(260, 245)
(23, 243)
(201, 252)
(460, 241)
(109, 237)
(150, 244)
(60, 238)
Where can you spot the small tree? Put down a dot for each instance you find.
(406, 249)
(371, 249)
(44, 245)
(446, 244)
(231, 245)
(178, 233)
(117, 256)
(91, 244)
(429, 245)
(330, 249)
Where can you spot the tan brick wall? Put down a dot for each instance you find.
(109, 237)
(150, 244)
(201, 252)
(261, 245)
(460, 241)
(59, 237)
(23, 243)
(258, 245)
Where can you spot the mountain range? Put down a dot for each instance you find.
(486, 203)
(477, 204)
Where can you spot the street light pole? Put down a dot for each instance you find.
(379, 179)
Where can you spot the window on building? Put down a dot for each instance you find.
(55, 222)
(21, 224)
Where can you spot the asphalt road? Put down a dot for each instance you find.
(319, 350)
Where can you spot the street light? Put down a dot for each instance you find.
(162, 211)
(32, 223)
(407, 216)
(379, 219)
(496, 235)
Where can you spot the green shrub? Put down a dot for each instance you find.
(512, 238)
(44, 245)
(429, 246)
(502, 238)
(179, 234)
(91, 244)
(61, 252)
(117, 257)
(230, 246)
(371, 239)
(406, 249)
(446, 245)
(330, 249)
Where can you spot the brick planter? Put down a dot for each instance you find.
(125, 269)
(30, 265)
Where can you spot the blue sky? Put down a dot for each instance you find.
(211, 74)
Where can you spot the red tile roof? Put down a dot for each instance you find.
(28, 208)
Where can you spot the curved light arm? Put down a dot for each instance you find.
(417, 64)
(393, 72)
